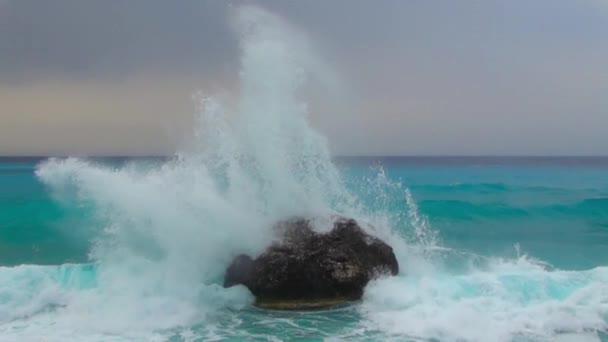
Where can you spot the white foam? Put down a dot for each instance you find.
(510, 300)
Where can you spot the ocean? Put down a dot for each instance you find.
(135, 249)
(491, 249)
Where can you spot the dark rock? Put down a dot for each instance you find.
(306, 269)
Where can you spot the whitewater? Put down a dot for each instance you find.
(161, 234)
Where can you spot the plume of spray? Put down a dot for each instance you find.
(170, 230)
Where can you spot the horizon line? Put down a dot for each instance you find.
(333, 156)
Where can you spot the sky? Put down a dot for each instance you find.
(424, 77)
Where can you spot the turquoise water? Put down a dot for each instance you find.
(504, 249)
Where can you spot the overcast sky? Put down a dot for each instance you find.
(464, 77)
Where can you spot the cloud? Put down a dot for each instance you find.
(467, 77)
(93, 38)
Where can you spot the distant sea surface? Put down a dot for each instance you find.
(494, 248)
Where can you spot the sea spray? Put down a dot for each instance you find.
(169, 231)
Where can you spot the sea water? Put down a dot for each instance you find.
(134, 249)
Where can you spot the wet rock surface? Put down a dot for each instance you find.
(305, 269)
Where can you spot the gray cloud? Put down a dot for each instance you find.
(426, 77)
(116, 36)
